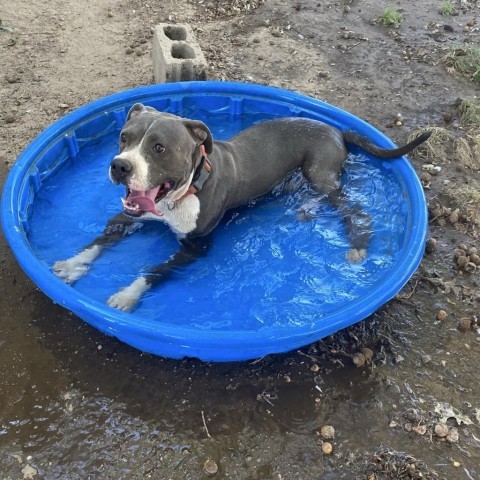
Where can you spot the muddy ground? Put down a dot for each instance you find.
(76, 404)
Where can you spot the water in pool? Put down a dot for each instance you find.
(265, 267)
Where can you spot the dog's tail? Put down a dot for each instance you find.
(388, 153)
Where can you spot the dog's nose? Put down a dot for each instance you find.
(120, 168)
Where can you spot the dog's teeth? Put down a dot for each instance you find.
(123, 201)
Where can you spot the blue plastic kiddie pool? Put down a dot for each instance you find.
(269, 284)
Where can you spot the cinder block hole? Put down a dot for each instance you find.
(175, 33)
(182, 50)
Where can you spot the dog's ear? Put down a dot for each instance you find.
(137, 109)
(200, 133)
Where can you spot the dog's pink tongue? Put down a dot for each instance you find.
(145, 200)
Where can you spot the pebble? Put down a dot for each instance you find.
(465, 324)
(431, 245)
(447, 117)
(462, 260)
(441, 430)
(359, 359)
(129, 50)
(327, 448)
(472, 250)
(420, 429)
(9, 119)
(442, 315)
(452, 435)
(475, 259)
(367, 353)
(210, 467)
(314, 368)
(63, 105)
(29, 472)
(470, 267)
(328, 432)
(453, 217)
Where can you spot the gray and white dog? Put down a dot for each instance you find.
(164, 166)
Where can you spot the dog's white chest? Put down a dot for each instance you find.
(180, 216)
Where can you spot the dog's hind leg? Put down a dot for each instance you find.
(327, 183)
(75, 267)
(358, 224)
(190, 250)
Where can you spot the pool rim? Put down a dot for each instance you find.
(124, 325)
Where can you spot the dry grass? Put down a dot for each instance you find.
(437, 148)
(470, 112)
(467, 199)
(464, 60)
(467, 151)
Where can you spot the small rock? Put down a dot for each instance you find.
(470, 267)
(463, 247)
(327, 448)
(441, 430)
(359, 359)
(472, 251)
(407, 427)
(441, 315)
(452, 435)
(453, 217)
(276, 32)
(29, 472)
(210, 467)
(63, 105)
(110, 14)
(367, 353)
(129, 50)
(420, 429)
(314, 368)
(328, 432)
(465, 324)
(431, 245)
(475, 259)
(9, 119)
(447, 117)
(346, 9)
(393, 424)
(462, 261)
(458, 253)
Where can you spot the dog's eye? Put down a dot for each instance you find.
(159, 148)
(123, 138)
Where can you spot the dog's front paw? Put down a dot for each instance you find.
(127, 299)
(69, 270)
(356, 255)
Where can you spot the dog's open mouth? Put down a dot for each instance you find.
(138, 202)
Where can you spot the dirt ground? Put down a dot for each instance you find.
(75, 404)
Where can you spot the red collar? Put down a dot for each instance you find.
(200, 176)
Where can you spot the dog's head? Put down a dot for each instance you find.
(158, 155)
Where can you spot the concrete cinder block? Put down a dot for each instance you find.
(177, 55)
